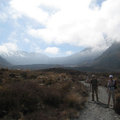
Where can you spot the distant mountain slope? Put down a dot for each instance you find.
(25, 58)
(110, 59)
(3, 62)
(81, 58)
(35, 66)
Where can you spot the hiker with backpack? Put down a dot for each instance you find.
(111, 90)
(94, 87)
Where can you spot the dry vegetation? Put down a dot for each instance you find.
(54, 94)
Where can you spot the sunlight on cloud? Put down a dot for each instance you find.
(52, 50)
(8, 47)
(74, 22)
(26, 40)
(69, 52)
(29, 8)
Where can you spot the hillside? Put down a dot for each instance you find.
(86, 60)
(3, 62)
(26, 58)
(110, 59)
(35, 66)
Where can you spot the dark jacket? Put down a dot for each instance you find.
(94, 82)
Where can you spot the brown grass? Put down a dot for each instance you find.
(54, 94)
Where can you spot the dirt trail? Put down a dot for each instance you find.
(98, 111)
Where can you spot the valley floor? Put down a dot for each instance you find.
(98, 111)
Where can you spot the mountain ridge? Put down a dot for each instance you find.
(25, 58)
(3, 62)
(110, 58)
(86, 60)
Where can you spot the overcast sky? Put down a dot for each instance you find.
(58, 27)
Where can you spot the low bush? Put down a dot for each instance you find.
(40, 116)
(12, 75)
(37, 95)
(52, 96)
(117, 106)
(21, 96)
(24, 74)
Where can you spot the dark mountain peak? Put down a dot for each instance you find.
(115, 46)
(3, 62)
(113, 49)
(110, 59)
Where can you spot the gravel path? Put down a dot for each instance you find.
(98, 111)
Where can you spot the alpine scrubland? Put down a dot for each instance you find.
(53, 94)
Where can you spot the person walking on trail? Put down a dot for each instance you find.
(111, 90)
(94, 87)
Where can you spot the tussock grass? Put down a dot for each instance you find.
(53, 94)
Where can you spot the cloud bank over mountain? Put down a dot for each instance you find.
(49, 26)
(72, 21)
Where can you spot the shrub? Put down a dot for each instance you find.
(52, 96)
(74, 100)
(40, 116)
(117, 106)
(33, 77)
(13, 115)
(3, 69)
(46, 95)
(21, 96)
(24, 74)
(12, 75)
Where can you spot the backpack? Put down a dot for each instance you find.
(94, 82)
(115, 84)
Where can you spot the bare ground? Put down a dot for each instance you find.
(98, 111)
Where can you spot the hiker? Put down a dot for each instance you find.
(87, 79)
(94, 87)
(111, 90)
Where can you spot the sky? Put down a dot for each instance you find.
(58, 27)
